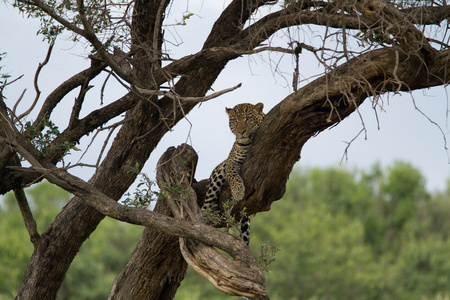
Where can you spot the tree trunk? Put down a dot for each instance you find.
(156, 265)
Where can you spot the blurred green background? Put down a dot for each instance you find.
(342, 234)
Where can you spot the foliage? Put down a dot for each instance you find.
(268, 251)
(348, 234)
(98, 14)
(214, 216)
(42, 140)
(142, 195)
(343, 234)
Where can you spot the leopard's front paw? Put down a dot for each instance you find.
(239, 193)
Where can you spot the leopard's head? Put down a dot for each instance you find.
(244, 120)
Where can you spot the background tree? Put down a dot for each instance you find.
(367, 48)
(321, 236)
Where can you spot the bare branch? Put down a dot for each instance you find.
(89, 34)
(78, 103)
(36, 76)
(345, 155)
(27, 215)
(173, 95)
(17, 102)
(392, 21)
(62, 90)
(109, 207)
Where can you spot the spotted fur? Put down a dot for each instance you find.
(244, 119)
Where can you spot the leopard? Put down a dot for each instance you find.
(244, 120)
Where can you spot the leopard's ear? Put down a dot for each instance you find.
(259, 106)
(228, 110)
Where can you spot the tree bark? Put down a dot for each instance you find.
(161, 276)
(320, 105)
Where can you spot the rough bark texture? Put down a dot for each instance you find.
(239, 276)
(167, 274)
(322, 104)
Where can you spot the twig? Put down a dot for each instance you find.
(345, 155)
(173, 95)
(105, 143)
(89, 34)
(102, 90)
(113, 127)
(17, 104)
(298, 50)
(36, 87)
(6, 83)
(394, 73)
(434, 123)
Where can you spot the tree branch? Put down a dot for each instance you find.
(111, 208)
(321, 104)
(89, 34)
(427, 15)
(45, 8)
(392, 21)
(302, 13)
(62, 90)
(36, 87)
(232, 276)
(27, 215)
(173, 95)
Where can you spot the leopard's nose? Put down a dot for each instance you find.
(242, 130)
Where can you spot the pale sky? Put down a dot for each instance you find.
(405, 134)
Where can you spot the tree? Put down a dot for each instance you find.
(100, 258)
(369, 47)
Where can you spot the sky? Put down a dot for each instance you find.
(401, 130)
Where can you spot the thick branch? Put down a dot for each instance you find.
(321, 104)
(110, 207)
(229, 276)
(232, 276)
(312, 12)
(62, 90)
(147, 39)
(427, 15)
